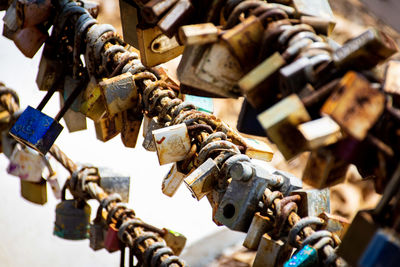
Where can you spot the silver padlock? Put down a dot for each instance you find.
(200, 182)
(172, 181)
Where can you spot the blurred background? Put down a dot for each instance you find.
(27, 229)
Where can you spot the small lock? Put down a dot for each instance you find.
(172, 180)
(355, 105)
(34, 192)
(129, 20)
(247, 121)
(32, 13)
(131, 122)
(108, 127)
(153, 9)
(174, 240)
(96, 230)
(272, 252)
(262, 80)
(334, 224)
(93, 103)
(111, 241)
(320, 132)
(200, 182)
(72, 219)
(280, 122)
(29, 40)
(314, 8)
(256, 149)
(26, 163)
(155, 47)
(149, 125)
(177, 16)
(36, 129)
(172, 143)
(198, 34)
(259, 225)
(313, 202)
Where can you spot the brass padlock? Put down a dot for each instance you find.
(72, 219)
(131, 122)
(155, 47)
(272, 252)
(198, 34)
(108, 127)
(34, 192)
(93, 103)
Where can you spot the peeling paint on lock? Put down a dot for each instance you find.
(172, 143)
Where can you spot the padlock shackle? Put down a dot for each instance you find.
(71, 98)
(46, 98)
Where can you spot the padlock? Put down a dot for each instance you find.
(29, 40)
(108, 127)
(119, 92)
(33, 12)
(272, 252)
(262, 81)
(382, 250)
(34, 192)
(152, 10)
(240, 200)
(11, 18)
(149, 125)
(177, 16)
(54, 185)
(75, 121)
(201, 103)
(356, 53)
(280, 122)
(155, 47)
(50, 70)
(174, 240)
(172, 143)
(355, 105)
(198, 34)
(96, 230)
(259, 225)
(211, 69)
(334, 224)
(131, 122)
(313, 202)
(200, 182)
(111, 241)
(93, 105)
(129, 20)
(113, 182)
(244, 39)
(72, 219)
(392, 79)
(320, 132)
(360, 232)
(172, 180)
(26, 163)
(257, 149)
(324, 168)
(247, 121)
(321, 25)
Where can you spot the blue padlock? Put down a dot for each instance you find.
(307, 256)
(39, 131)
(382, 250)
(201, 103)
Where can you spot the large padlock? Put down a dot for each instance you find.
(36, 129)
(272, 252)
(172, 143)
(280, 122)
(72, 219)
(355, 105)
(34, 192)
(113, 182)
(155, 47)
(26, 163)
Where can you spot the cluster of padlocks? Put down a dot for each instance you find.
(302, 90)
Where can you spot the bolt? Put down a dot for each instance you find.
(241, 171)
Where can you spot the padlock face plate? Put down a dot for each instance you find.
(34, 192)
(36, 129)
